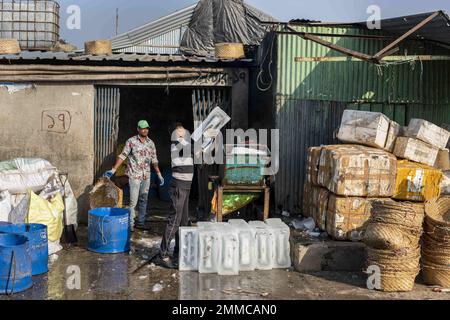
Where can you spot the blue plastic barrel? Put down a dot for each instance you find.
(15, 264)
(37, 236)
(109, 230)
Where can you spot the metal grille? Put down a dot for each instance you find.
(205, 100)
(106, 117)
(35, 24)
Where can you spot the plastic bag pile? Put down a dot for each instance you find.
(32, 191)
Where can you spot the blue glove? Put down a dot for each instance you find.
(161, 179)
(109, 174)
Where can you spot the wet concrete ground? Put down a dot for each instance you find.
(111, 277)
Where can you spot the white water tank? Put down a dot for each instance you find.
(35, 24)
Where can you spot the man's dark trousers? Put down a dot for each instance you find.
(178, 215)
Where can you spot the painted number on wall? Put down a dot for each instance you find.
(58, 121)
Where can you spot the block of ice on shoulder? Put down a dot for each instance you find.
(265, 245)
(229, 251)
(188, 254)
(208, 250)
(282, 245)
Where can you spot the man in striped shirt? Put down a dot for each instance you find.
(182, 175)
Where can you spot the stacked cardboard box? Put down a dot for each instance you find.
(350, 177)
(341, 185)
(422, 143)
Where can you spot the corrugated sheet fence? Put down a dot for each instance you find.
(302, 124)
(106, 119)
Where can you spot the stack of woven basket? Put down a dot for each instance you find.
(436, 243)
(393, 237)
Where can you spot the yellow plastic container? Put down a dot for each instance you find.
(417, 182)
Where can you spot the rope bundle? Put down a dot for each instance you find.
(393, 237)
(436, 243)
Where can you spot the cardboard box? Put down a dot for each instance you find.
(393, 133)
(417, 182)
(357, 171)
(366, 128)
(428, 132)
(315, 202)
(347, 217)
(312, 165)
(416, 150)
(443, 160)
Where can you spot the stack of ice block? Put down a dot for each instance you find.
(227, 248)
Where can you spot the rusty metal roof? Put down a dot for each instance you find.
(115, 58)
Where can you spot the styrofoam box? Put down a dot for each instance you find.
(363, 127)
(428, 132)
(264, 245)
(229, 251)
(247, 244)
(188, 255)
(282, 252)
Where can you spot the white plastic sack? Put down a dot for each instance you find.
(58, 184)
(54, 247)
(5, 206)
(71, 206)
(23, 174)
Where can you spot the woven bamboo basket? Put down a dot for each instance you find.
(398, 281)
(434, 274)
(437, 221)
(405, 260)
(391, 237)
(98, 47)
(230, 51)
(405, 214)
(9, 46)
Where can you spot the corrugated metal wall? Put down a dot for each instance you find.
(416, 82)
(311, 96)
(302, 124)
(106, 119)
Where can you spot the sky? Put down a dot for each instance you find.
(98, 16)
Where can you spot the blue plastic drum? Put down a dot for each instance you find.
(15, 264)
(109, 230)
(38, 243)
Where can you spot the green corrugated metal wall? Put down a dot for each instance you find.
(424, 82)
(311, 96)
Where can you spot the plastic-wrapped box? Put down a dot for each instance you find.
(363, 127)
(417, 182)
(357, 171)
(416, 150)
(428, 132)
(347, 217)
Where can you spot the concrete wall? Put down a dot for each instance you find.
(54, 122)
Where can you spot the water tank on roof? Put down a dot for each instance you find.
(34, 23)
